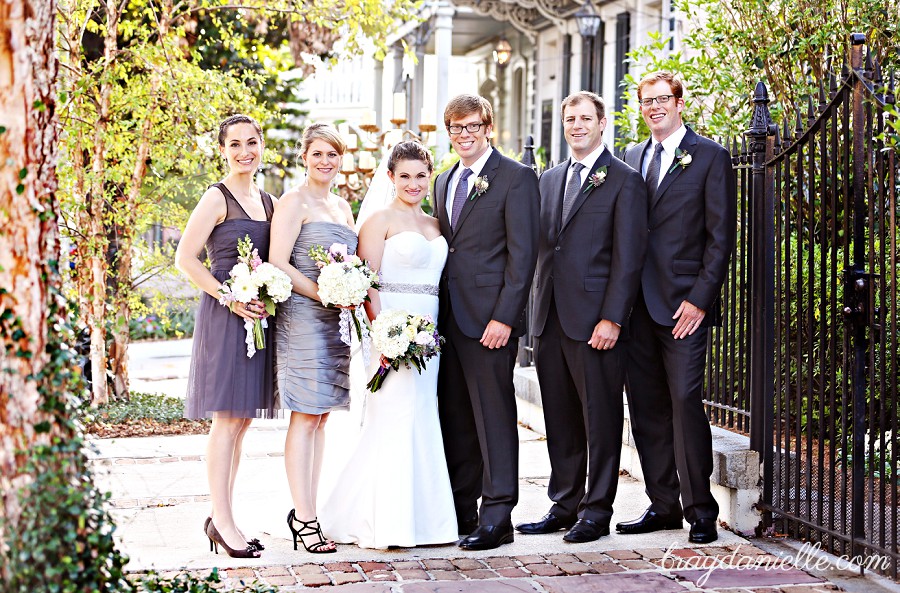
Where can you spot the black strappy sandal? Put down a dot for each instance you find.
(308, 528)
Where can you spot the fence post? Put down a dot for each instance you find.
(761, 140)
(528, 153)
(857, 284)
(526, 343)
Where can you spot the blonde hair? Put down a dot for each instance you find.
(321, 131)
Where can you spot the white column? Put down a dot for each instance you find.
(379, 89)
(443, 49)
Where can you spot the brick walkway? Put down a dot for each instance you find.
(732, 569)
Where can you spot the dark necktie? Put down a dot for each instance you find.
(652, 177)
(459, 197)
(571, 190)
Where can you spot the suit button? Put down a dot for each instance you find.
(453, 250)
(557, 248)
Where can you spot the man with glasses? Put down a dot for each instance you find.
(692, 222)
(487, 207)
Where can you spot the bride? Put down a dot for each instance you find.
(395, 490)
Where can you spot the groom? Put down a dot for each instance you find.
(487, 206)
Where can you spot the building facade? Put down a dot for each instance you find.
(456, 45)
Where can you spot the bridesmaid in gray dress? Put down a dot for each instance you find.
(311, 363)
(223, 383)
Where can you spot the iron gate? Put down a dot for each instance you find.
(820, 258)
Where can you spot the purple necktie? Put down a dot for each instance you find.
(459, 197)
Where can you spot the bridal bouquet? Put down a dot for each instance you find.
(251, 278)
(344, 281)
(403, 339)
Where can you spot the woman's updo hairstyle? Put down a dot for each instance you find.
(321, 131)
(237, 118)
(411, 150)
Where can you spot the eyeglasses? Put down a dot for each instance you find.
(662, 100)
(471, 128)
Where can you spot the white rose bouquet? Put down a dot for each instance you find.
(403, 339)
(251, 278)
(344, 281)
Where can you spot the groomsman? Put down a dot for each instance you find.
(593, 236)
(487, 207)
(692, 227)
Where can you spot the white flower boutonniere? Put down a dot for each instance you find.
(596, 179)
(682, 158)
(481, 186)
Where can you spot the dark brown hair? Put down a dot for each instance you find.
(674, 83)
(578, 97)
(237, 118)
(463, 105)
(411, 150)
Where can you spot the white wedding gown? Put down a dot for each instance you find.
(394, 489)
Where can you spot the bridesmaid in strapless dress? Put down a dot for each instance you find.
(312, 364)
(223, 383)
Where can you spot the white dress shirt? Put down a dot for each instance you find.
(476, 168)
(588, 163)
(667, 156)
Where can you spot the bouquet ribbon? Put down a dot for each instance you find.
(255, 338)
(358, 317)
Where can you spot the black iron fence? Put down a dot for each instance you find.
(809, 352)
(807, 359)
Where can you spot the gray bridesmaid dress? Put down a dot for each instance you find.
(312, 365)
(222, 380)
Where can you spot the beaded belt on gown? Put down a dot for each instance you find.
(404, 288)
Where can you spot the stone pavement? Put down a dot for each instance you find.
(159, 498)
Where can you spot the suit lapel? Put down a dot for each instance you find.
(687, 145)
(586, 190)
(441, 187)
(635, 157)
(488, 171)
(553, 209)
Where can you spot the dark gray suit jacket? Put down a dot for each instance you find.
(692, 222)
(590, 264)
(493, 249)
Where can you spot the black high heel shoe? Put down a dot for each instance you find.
(217, 540)
(309, 528)
(250, 542)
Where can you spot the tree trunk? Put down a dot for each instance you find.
(28, 231)
(96, 211)
(128, 231)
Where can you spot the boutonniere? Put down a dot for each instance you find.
(596, 179)
(683, 158)
(481, 186)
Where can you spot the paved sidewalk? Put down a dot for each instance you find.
(159, 498)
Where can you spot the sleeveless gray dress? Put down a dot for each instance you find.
(312, 365)
(222, 380)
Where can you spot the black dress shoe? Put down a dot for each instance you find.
(467, 526)
(548, 524)
(648, 522)
(585, 530)
(703, 531)
(488, 537)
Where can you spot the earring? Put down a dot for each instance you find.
(393, 191)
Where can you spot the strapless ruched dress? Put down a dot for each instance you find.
(312, 364)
